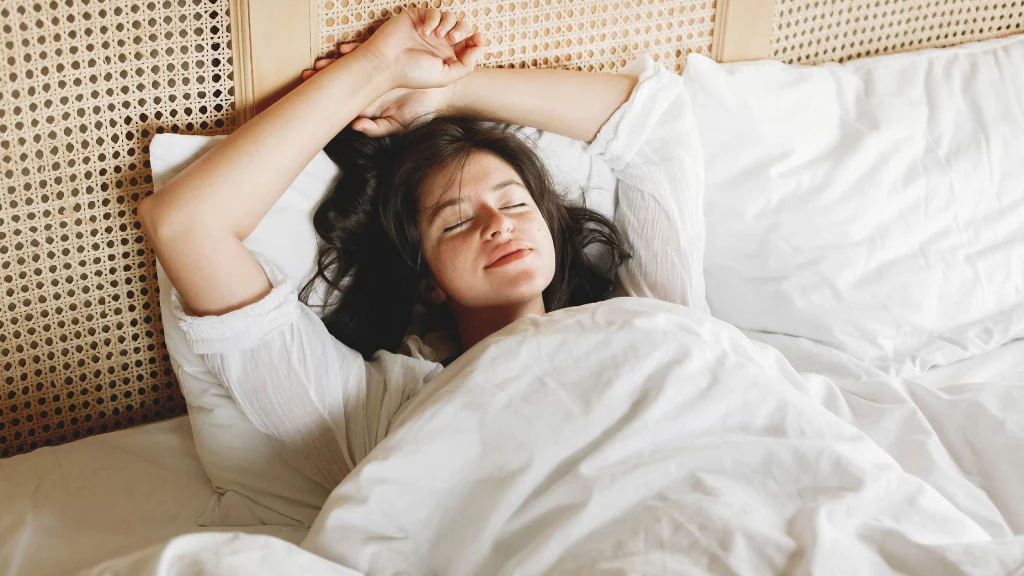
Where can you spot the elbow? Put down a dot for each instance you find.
(149, 217)
(144, 213)
(158, 221)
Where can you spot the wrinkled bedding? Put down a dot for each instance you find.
(636, 436)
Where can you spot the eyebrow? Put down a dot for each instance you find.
(440, 206)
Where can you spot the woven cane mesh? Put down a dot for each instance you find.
(84, 86)
(585, 35)
(812, 31)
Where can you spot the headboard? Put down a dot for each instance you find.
(86, 84)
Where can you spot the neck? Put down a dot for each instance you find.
(475, 324)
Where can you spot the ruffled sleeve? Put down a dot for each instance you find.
(242, 328)
(652, 145)
(321, 404)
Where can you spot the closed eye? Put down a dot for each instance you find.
(457, 225)
(454, 227)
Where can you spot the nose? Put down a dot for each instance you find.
(496, 223)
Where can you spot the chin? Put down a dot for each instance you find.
(521, 287)
(512, 287)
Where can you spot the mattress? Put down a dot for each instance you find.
(71, 506)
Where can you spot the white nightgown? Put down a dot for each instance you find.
(325, 408)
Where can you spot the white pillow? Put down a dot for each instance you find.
(875, 206)
(255, 485)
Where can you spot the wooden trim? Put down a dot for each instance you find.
(314, 31)
(743, 30)
(241, 59)
(273, 42)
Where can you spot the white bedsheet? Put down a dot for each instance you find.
(68, 507)
(958, 427)
(657, 439)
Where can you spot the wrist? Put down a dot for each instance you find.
(448, 106)
(458, 102)
(378, 67)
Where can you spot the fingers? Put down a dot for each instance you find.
(448, 20)
(430, 21)
(461, 30)
(376, 127)
(317, 66)
(445, 25)
(362, 124)
(473, 50)
(348, 47)
(322, 63)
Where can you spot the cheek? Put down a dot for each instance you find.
(447, 260)
(542, 233)
(541, 237)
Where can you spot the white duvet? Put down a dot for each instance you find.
(635, 436)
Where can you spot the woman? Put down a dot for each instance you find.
(392, 238)
(482, 237)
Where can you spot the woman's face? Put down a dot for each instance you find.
(488, 245)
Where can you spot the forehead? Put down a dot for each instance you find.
(481, 169)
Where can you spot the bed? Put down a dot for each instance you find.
(116, 493)
(947, 418)
(78, 504)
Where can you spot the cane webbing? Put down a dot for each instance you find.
(812, 31)
(586, 35)
(85, 85)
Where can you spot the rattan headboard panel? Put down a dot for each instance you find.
(85, 85)
(586, 35)
(812, 31)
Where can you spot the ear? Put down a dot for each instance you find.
(431, 293)
(438, 296)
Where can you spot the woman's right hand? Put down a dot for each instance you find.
(397, 110)
(424, 48)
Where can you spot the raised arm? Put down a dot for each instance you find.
(197, 222)
(320, 404)
(640, 123)
(567, 102)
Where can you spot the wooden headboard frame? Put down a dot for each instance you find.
(82, 346)
(264, 34)
(270, 59)
(743, 30)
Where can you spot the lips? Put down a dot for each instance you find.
(508, 252)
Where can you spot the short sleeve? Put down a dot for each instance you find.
(319, 402)
(652, 145)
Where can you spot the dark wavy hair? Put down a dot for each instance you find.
(368, 265)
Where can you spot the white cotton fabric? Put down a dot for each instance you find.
(324, 408)
(637, 436)
(874, 206)
(254, 483)
(63, 508)
(220, 554)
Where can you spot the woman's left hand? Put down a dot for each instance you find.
(425, 48)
